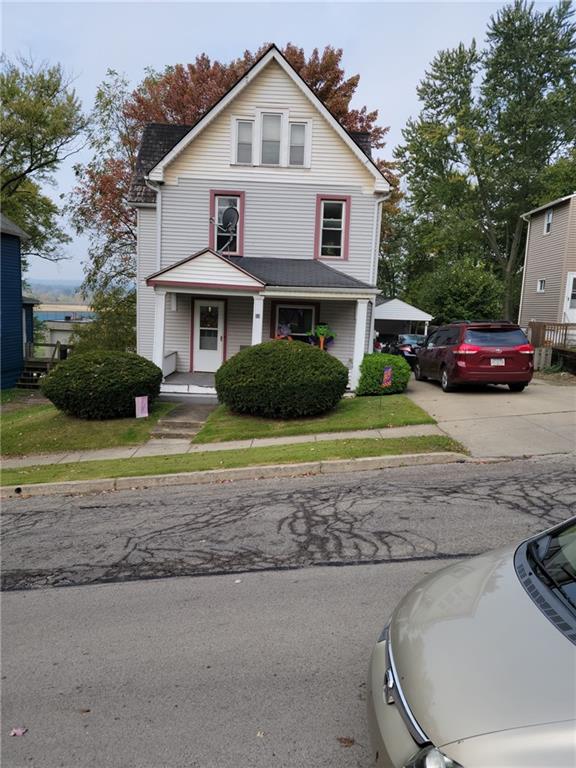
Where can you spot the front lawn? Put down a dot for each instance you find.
(194, 462)
(351, 413)
(44, 429)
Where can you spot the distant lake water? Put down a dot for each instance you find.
(69, 316)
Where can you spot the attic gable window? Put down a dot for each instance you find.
(244, 133)
(297, 143)
(271, 139)
(548, 221)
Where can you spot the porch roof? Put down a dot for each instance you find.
(299, 273)
(212, 270)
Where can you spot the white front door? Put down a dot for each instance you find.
(208, 352)
(570, 299)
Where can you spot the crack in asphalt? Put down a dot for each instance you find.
(439, 512)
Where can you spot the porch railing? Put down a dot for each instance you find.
(169, 363)
(47, 353)
(561, 335)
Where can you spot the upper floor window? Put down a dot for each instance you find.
(227, 222)
(244, 133)
(297, 143)
(548, 221)
(541, 286)
(332, 227)
(272, 139)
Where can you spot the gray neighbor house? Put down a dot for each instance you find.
(261, 221)
(549, 283)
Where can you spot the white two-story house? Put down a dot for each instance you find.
(260, 221)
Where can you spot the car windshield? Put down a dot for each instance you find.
(411, 338)
(495, 337)
(553, 557)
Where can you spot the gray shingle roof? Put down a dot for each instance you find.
(297, 273)
(157, 140)
(9, 228)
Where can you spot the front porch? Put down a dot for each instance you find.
(189, 383)
(207, 309)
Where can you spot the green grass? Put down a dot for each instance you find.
(44, 429)
(194, 462)
(351, 413)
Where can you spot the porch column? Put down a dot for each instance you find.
(359, 340)
(159, 320)
(257, 318)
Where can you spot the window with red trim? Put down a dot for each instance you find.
(227, 222)
(332, 225)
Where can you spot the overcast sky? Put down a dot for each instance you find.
(389, 44)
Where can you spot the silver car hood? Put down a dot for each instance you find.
(540, 746)
(475, 655)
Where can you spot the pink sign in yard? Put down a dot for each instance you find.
(141, 407)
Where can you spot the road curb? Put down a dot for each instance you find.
(337, 466)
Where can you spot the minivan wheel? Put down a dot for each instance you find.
(445, 381)
(516, 387)
(418, 373)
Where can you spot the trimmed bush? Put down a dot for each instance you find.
(281, 380)
(372, 374)
(101, 385)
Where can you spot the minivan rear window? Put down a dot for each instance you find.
(495, 337)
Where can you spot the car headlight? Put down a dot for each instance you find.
(430, 757)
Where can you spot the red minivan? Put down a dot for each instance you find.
(476, 353)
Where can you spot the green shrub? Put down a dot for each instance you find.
(281, 380)
(372, 374)
(101, 385)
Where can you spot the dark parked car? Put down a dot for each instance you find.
(476, 353)
(406, 345)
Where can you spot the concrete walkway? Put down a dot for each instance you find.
(167, 447)
(494, 422)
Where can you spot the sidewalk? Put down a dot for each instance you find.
(165, 447)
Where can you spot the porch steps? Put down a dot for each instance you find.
(31, 373)
(176, 429)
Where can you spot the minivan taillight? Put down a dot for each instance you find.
(466, 349)
(525, 349)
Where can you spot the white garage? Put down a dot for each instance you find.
(394, 316)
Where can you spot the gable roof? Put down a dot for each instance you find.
(396, 309)
(157, 140)
(551, 204)
(356, 141)
(256, 273)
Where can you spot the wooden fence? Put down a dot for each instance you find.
(558, 335)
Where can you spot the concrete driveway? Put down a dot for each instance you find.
(493, 421)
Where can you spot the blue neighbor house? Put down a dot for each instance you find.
(16, 319)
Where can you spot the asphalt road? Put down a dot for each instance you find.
(245, 669)
(426, 512)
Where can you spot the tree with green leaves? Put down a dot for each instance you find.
(495, 137)
(42, 125)
(113, 328)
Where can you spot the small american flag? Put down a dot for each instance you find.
(387, 378)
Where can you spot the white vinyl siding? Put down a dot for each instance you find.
(177, 329)
(279, 221)
(210, 269)
(272, 91)
(145, 265)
